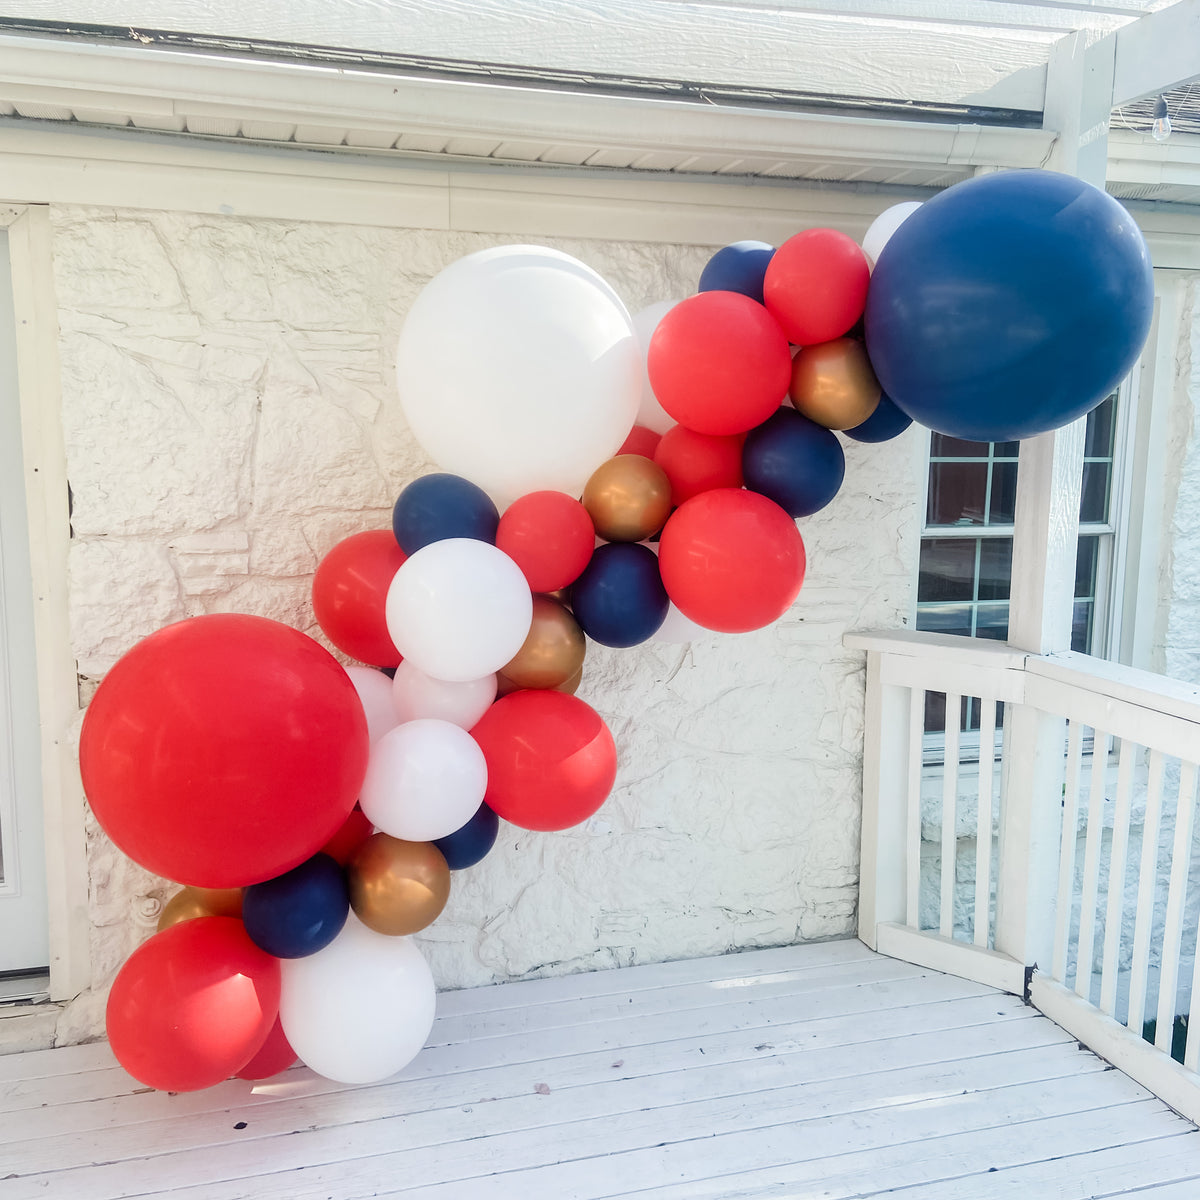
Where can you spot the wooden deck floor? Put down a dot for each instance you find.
(815, 1071)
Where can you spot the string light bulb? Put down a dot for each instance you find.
(1161, 129)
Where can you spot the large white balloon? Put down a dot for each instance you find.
(459, 609)
(650, 413)
(416, 695)
(518, 368)
(360, 1009)
(884, 225)
(374, 689)
(425, 779)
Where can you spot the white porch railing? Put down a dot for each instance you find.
(1050, 849)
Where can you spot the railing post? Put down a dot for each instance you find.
(886, 742)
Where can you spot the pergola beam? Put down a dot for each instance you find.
(1158, 52)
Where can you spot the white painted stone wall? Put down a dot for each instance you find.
(230, 415)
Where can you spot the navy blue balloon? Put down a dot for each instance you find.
(793, 461)
(298, 913)
(435, 507)
(738, 268)
(1009, 305)
(470, 844)
(885, 423)
(619, 600)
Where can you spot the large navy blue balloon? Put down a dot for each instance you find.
(885, 423)
(435, 507)
(300, 912)
(793, 461)
(619, 600)
(1009, 305)
(470, 844)
(740, 267)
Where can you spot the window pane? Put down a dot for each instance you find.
(943, 446)
(957, 492)
(945, 618)
(947, 569)
(1081, 626)
(995, 568)
(1093, 502)
(991, 621)
(1086, 563)
(1098, 441)
(1006, 449)
(1004, 493)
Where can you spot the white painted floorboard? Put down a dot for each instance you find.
(811, 1071)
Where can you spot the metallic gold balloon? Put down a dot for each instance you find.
(552, 652)
(571, 686)
(194, 902)
(397, 887)
(628, 498)
(833, 384)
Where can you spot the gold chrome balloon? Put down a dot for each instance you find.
(552, 652)
(194, 902)
(628, 498)
(397, 887)
(833, 384)
(571, 686)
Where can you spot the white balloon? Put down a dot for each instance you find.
(374, 689)
(361, 1009)
(678, 629)
(518, 368)
(425, 779)
(459, 609)
(650, 413)
(416, 695)
(884, 226)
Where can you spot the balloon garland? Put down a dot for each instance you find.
(649, 480)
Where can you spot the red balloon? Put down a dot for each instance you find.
(731, 560)
(719, 363)
(816, 285)
(550, 536)
(551, 760)
(640, 441)
(698, 462)
(349, 594)
(342, 846)
(193, 1005)
(224, 750)
(275, 1055)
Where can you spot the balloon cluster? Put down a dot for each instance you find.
(651, 472)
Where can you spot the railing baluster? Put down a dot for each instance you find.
(1168, 982)
(1066, 859)
(1144, 913)
(983, 835)
(949, 813)
(1091, 865)
(1115, 909)
(912, 839)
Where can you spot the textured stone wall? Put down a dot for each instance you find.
(230, 414)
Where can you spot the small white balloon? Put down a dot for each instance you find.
(677, 629)
(361, 1009)
(459, 609)
(884, 226)
(424, 780)
(374, 689)
(650, 413)
(416, 695)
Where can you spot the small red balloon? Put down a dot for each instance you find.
(551, 759)
(731, 560)
(698, 462)
(816, 285)
(193, 1005)
(223, 750)
(719, 363)
(349, 595)
(641, 441)
(346, 841)
(275, 1055)
(550, 536)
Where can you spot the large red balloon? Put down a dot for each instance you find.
(551, 760)
(698, 462)
(719, 363)
(349, 594)
(193, 1005)
(550, 536)
(731, 560)
(275, 1055)
(816, 285)
(224, 750)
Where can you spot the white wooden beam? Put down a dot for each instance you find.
(1158, 52)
